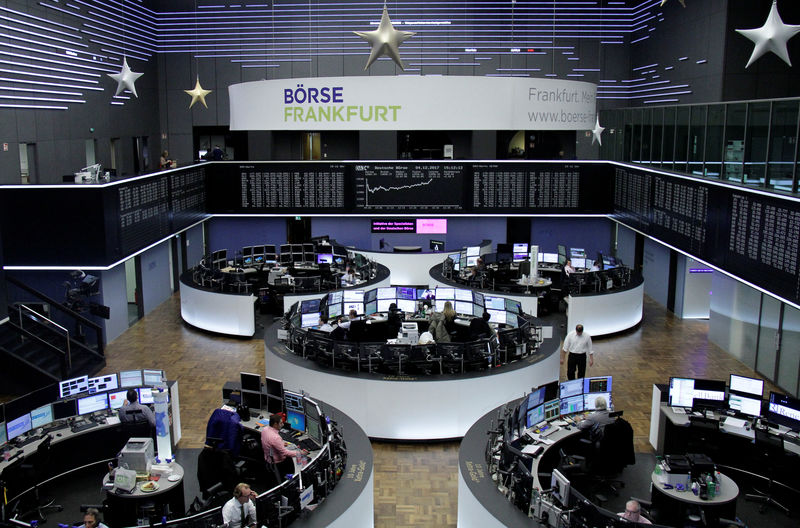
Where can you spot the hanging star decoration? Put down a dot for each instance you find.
(596, 131)
(198, 93)
(125, 78)
(385, 40)
(683, 3)
(772, 36)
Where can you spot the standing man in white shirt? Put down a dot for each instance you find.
(240, 512)
(578, 344)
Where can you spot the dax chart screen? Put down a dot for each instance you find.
(409, 187)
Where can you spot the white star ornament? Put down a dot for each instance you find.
(385, 40)
(596, 131)
(125, 78)
(772, 36)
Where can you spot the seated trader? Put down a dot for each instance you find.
(449, 317)
(349, 278)
(351, 316)
(438, 328)
(394, 320)
(598, 419)
(92, 519)
(324, 326)
(131, 404)
(633, 513)
(480, 328)
(240, 511)
(275, 453)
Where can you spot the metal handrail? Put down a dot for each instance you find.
(36, 315)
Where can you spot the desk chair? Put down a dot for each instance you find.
(770, 457)
(704, 436)
(370, 354)
(477, 355)
(422, 359)
(39, 471)
(452, 355)
(136, 426)
(394, 357)
(345, 356)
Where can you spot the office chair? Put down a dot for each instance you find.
(39, 471)
(452, 355)
(394, 357)
(345, 356)
(216, 466)
(770, 457)
(422, 358)
(476, 355)
(136, 426)
(370, 354)
(703, 436)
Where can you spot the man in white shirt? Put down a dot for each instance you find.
(578, 344)
(633, 513)
(324, 325)
(240, 512)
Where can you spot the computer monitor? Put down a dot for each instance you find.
(370, 307)
(570, 388)
(473, 251)
(590, 400)
(354, 296)
(325, 258)
(18, 426)
(383, 304)
(572, 404)
(407, 305)
(597, 384)
(560, 487)
(744, 405)
(578, 263)
(472, 261)
(497, 316)
(293, 401)
(41, 416)
(73, 386)
(463, 295)
(103, 383)
(743, 385)
(681, 392)
(334, 310)
(494, 303)
(478, 298)
(552, 409)
(464, 307)
(357, 306)
(296, 420)
(146, 395)
(534, 415)
(65, 409)
(520, 247)
(250, 382)
(130, 378)
(117, 398)
(314, 429)
(251, 399)
(445, 294)
(408, 293)
(577, 252)
(307, 320)
(274, 387)
(3, 435)
(387, 293)
(152, 377)
(93, 403)
(310, 306)
(549, 258)
(513, 306)
(783, 410)
(335, 297)
(708, 394)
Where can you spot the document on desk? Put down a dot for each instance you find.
(112, 420)
(730, 421)
(547, 332)
(532, 449)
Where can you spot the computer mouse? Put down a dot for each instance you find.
(39, 431)
(58, 435)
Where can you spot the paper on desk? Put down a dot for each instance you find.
(730, 421)
(112, 420)
(547, 441)
(530, 448)
(559, 423)
(547, 332)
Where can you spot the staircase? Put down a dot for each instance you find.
(36, 351)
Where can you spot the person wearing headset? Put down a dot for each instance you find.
(240, 512)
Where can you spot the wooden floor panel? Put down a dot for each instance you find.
(416, 484)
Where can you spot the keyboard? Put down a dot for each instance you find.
(82, 426)
(28, 440)
(307, 444)
(550, 430)
(288, 436)
(55, 427)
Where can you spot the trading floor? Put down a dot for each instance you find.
(416, 484)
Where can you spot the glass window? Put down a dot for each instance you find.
(734, 142)
(682, 138)
(697, 139)
(755, 149)
(715, 126)
(618, 135)
(627, 135)
(658, 132)
(647, 120)
(768, 328)
(783, 138)
(636, 137)
(669, 138)
(789, 361)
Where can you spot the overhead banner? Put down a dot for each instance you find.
(413, 103)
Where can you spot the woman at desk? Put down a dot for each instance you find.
(437, 327)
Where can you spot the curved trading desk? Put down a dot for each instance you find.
(607, 312)
(415, 407)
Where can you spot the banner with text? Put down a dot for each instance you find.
(413, 103)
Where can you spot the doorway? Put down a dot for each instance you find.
(28, 172)
(298, 230)
(133, 286)
(141, 155)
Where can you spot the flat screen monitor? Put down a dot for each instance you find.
(535, 398)
(552, 409)
(534, 416)
(478, 298)
(296, 420)
(577, 252)
(65, 409)
(472, 261)
(251, 399)
(3, 435)
(562, 250)
(41, 416)
(130, 378)
(578, 263)
(407, 293)
(314, 430)
(455, 257)
(309, 306)
(354, 296)
(274, 387)
(383, 304)
(325, 258)
(465, 308)
(550, 391)
(708, 394)
(247, 260)
(440, 305)
(597, 384)
(436, 245)
(251, 382)
(744, 405)
(103, 383)
(285, 258)
(511, 320)
(573, 404)
(445, 294)
(513, 306)
(520, 247)
(681, 392)
(463, 295)
(146, 395)
(335, 297)
(334, 310)
(357, 306)
(473, 251)
(562, 259)
(590, 400)
(93, 403)
(782, 409)
(152, 377)
(549, 258)
(407, 306)
(497, 316)
(370, 308)
(570, 388)
(742, 385)
(73, 386)
(387, 293)
(293, 401)
(307, 320)
(424, 293)
(370, 295)
(18, 426)
(520, 257)
(559, 485)
(494, 303)
(117, 398)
